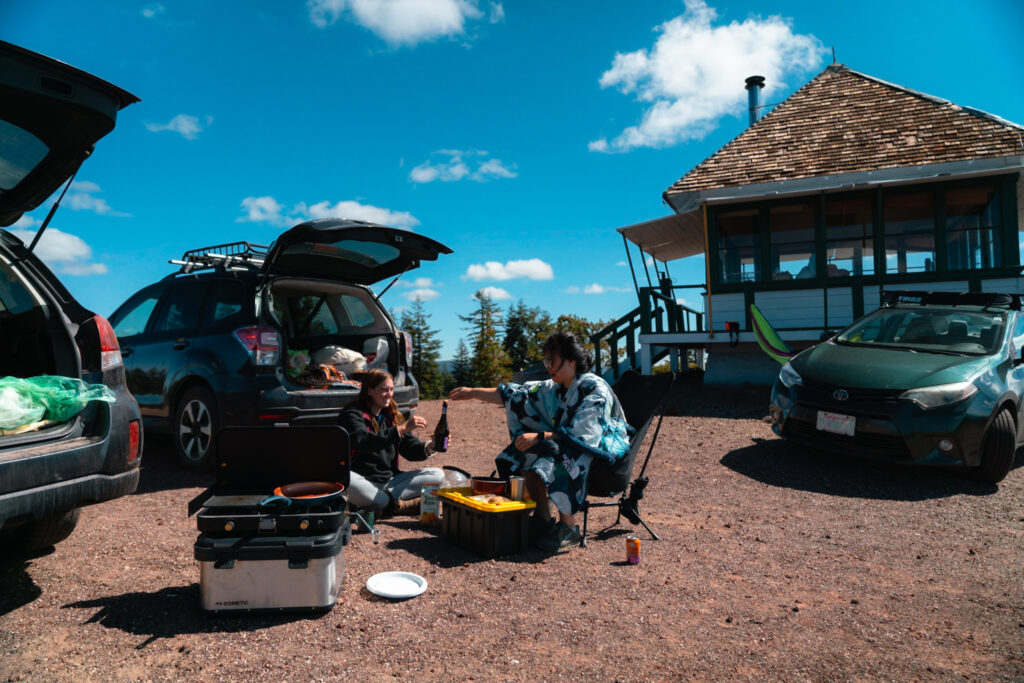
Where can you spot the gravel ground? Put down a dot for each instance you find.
(774, 564)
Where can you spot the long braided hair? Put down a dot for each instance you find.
(372, 379)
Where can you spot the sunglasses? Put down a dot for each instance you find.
(550, 364)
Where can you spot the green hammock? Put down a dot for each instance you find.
(768, 339)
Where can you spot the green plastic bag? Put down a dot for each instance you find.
(60, 398)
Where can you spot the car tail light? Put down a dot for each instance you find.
(134, 441)
(262, 343)
(408, 349)
(110, 350)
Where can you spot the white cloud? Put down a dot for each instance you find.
(188, 127)
(456, 167)
(152, 11)
(621, 263)
(601, 289)
(495, 293)
(81, 196)
(422, 282)
(400, 22)
(497, 13)
(424, 294)
(532, 269)
(572, 289)
(268, 210)
(25, 222)
(63, 252)
(693, 74)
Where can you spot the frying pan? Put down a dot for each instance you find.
(303, 494)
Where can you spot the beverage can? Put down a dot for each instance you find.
(430, 504)
(633, 550)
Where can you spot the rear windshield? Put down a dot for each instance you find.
(309, 314)
(22, 152)
(367, 254)
(930, 329)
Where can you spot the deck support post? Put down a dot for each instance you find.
(645, 359)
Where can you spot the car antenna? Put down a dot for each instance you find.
(53, 209)
(398, 277)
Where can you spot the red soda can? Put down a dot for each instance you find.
(633, 550)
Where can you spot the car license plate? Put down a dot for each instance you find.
(836, 423)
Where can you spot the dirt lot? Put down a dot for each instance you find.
(774, 564)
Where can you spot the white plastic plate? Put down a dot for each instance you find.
(396, 584)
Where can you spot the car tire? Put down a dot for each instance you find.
(42, 533)
(195, 424)
(997, 449)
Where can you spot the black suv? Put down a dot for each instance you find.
(51, 115)
(209, 346)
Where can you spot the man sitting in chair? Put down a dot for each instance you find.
(558, 426)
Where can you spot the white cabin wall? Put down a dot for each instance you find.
(792, 308)
(725, 308)
(840, 307)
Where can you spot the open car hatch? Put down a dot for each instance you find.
(348, 251)
(51, 115)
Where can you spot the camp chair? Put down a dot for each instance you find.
(641, 398)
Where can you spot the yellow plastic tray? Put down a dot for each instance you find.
(463, 497)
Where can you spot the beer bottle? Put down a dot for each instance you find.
(441, 432)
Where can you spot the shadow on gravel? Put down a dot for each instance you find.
(444, 555)
(161, 471)
(173, 611)
(18, 587)
(777, 463)
(738, 402)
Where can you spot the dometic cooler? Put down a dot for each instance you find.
(260, 558)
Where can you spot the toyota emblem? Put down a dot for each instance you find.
(840, 394)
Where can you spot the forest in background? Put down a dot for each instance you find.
(497, 343)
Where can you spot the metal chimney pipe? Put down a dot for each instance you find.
(754, 85)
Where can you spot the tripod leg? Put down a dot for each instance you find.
(653, 535)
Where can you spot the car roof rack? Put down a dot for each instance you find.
(230, 256)
(892, 299)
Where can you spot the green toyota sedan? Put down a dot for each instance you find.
(931, 378)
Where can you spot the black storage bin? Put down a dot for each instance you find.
(486, 529)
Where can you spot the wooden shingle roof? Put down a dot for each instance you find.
(843, 121)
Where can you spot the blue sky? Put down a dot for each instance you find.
(520, 134)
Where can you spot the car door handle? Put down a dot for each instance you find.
(180, 344)
(126, 351)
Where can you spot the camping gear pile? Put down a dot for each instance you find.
(274, 526)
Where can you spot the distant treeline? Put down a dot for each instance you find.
(497, 344)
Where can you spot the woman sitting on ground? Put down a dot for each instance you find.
(558, 427)
(378, 435)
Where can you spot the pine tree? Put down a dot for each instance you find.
(426, 349)
(461, 367)
(490, 363)
(525, 331)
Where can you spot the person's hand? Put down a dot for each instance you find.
(460, 393)
(413, 423)
(525, 442)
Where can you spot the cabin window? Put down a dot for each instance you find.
(909, 232)
(849, 248)
(739, 246)
(791, 228)
(973, 228)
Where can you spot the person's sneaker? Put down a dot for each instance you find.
(562, 538)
